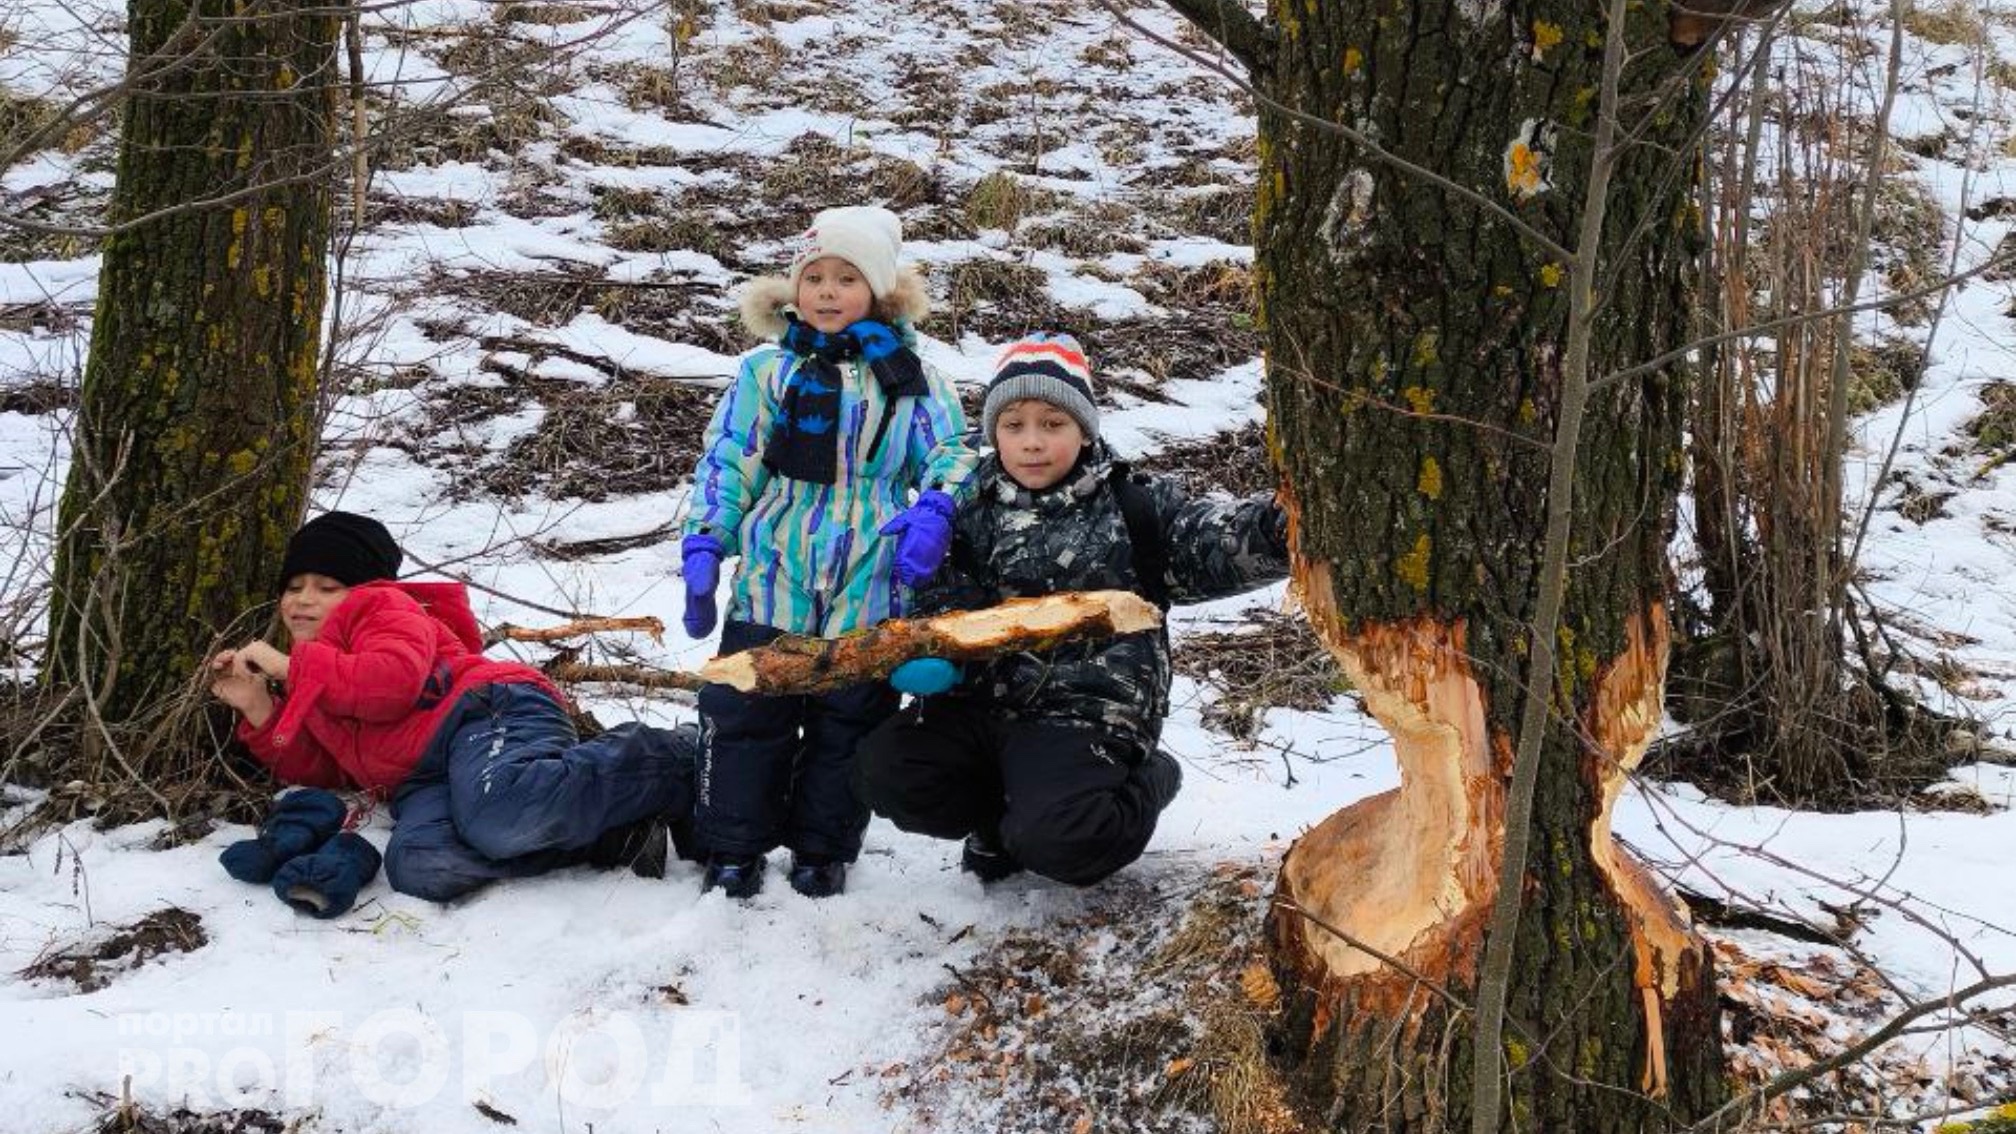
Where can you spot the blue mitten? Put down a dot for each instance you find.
(300, 822)
(924, 677)
(325, 884)
(701, 564)
(923, 535)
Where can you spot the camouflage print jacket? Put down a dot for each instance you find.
(1009, 542)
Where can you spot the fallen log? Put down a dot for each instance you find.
(796, 664)
(817, 665)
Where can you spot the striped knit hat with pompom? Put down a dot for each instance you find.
(1049, 366)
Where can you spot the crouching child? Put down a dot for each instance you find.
(1049, 760)
(384, 688)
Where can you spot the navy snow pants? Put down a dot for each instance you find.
(507, 789)
(778, 771)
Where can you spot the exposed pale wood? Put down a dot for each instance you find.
(1622, 721)
(1391, 867)
(811, 665)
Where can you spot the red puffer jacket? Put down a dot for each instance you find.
(364, 699)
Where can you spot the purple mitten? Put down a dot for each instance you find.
(923, 535)
(701, 564)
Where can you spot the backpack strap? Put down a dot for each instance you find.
(1151, 558)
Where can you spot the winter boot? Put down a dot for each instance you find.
(985, 858)
(738, 876)
(325, 884)
(641, 846)
(302, 821)
(818, 877)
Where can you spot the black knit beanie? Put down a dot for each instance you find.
(345, 546)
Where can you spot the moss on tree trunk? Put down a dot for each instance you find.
(196, 432)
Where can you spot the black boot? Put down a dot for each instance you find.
(738, 876)
(985, 858)
(818, 877)
(640, 845)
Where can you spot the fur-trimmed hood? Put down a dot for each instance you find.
(765, 299)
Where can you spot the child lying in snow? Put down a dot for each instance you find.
(384, 688)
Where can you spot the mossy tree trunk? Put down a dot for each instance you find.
(1416, 345)
(194, 439)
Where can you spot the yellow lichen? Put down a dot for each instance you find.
(1413, 566)
(1550, 275)
(1430, 482)
(1545, 35)
(1353, 59)
(1427, 348)
(1421, 398)
(1527, 411)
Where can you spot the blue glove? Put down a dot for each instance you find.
(325, 884)
(923, 535)
(300, 822)
(924, 677)
(701, 564)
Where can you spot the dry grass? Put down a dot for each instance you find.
(511, 80)
(1234, 461)
(21, 116)
(1100, 229)
(93, 964)
(1161, 1027)
(626, 437)
(996, 300)
(543, 15)
(1276, 663)
(125, 1116)
(1001, 199)
(1223, 213)
(1957, 22)
(1993, 430)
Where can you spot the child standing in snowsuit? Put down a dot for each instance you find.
(384, 688)
(807, 473)
(1048, 760)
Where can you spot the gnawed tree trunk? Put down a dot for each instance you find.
(194, 440)
(1415, 369)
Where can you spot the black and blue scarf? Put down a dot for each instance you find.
(804, 442)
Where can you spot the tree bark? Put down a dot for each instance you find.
(1415, 370)
(196, 430)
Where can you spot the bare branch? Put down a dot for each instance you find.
(1230, 26)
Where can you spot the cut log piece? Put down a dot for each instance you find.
(818, 665)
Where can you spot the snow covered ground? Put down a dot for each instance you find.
(602, 1001)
